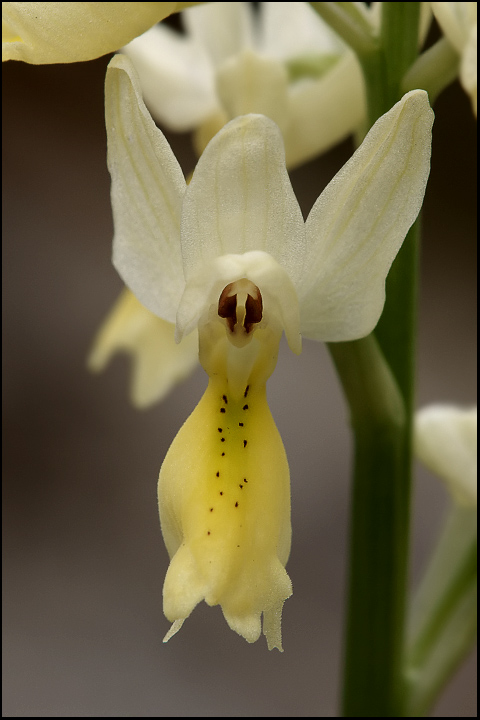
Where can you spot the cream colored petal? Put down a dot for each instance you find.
(158, 362)
(147, 192)
(224, 503)
(222, 28)
(177, 77)
(324, 112)
(456, 19)
(359, 222)
(468, 68)
(61, 32)
(425, 22)
(240, 199)
(289, 29)
(446, 442)
(249, 83)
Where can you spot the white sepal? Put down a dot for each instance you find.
(359, 222)
(147, 192)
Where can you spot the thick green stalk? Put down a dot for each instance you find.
(373, 685)
(397, 328)
(372, 375)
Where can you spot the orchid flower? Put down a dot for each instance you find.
(446, 443)
(64, 32)
(230, 255)
(458, 21)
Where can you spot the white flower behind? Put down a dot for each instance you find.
(281, 60)
(446, 443)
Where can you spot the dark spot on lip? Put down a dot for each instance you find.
(223, 454)
(218, 474)
(245, 407)
(221, 493)
(245, 480)
(224, 397)
(211, 509)
(222, 410)
(240, 424)
(245, 443)
(246, 391)
(222, 439)
(208, 532)
(241, 487)
(220, 430)
(236, 504)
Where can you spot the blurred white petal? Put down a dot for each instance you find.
(249, 83)
(158, 362)
(446, 442)
(177, 77)
(324, 111)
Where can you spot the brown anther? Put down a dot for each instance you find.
(254, 311)
(250, 310)
(227, 306)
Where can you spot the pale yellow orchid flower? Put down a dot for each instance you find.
(65, 32)
(458, 21)
(446, 443)
(230, 255)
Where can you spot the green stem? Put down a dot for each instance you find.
(374, 639)
(396, 330)
(374, 684)
(385, 65)
(443, 615)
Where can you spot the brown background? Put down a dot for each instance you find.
(84, 560)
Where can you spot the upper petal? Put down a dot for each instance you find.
(59, 32)
(240, 199)
(359, 222)
(147, 192)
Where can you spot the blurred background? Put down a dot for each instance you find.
(84, 560)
